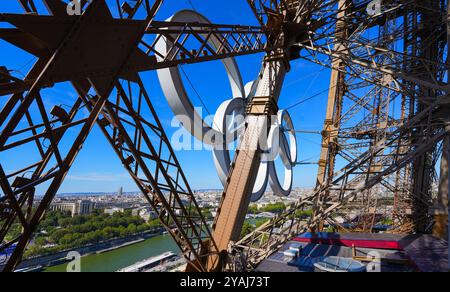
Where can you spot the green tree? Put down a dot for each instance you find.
(68, 232)
(247, 228)
(253, 209)
(275, 208)
(305, 214)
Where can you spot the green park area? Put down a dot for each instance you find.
(60, 231)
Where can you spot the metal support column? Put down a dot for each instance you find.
(441, 204)
(334, 110)
(334, 106)
(237, 194)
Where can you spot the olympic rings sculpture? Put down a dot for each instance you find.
(172, 84)
(230, 119)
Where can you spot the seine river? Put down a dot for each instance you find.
(123, 257)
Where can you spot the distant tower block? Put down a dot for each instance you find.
(120, 191)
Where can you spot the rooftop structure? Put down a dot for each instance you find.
(75, 208)
(377, 253)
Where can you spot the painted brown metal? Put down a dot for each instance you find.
(396, 144)
(179, 211)
(77, 50)
(237, 194)
(73, 35)
(334, 109)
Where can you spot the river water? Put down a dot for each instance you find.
(123, 257)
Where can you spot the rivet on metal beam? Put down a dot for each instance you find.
(3, 75)
(119, 141)
(60, 113)
(128, 161)
(20, 182)
(104, 122)
(127, 8)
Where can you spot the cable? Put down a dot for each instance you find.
(306, 76)
(195, 90)
(310, 98)
(192, 5)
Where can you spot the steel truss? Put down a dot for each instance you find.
(388, 92)
(393, 59)
(348, 183)
(124, 114)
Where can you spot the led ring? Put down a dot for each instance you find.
(281, 189)
(220, 135)
(287, 126)
(221, 154)
(172, 84)
(288, 155)
(277, 145)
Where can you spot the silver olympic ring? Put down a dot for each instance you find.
(287, 126)
(278, 145)
(221, 155)
(236, 106)
(288, 155)
(221, 134)
(173, 87)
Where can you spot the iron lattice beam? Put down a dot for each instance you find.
(144, 149)
(178, 211)
(159, 178)
(377, 146)
(348, 183)
(189, 42)
(402, 66)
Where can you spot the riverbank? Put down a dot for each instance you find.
(103, 247)
(121, 246)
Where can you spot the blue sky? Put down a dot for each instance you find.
(98, 170)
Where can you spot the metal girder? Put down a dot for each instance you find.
(334, 110)
(362, 53)
(347, 184)
(381, 144)
(154, 174)
(144, 149)
(382, 148)
(237, 194)
(28, 5)
(395, 75)
(55, 162)
(190, 42)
